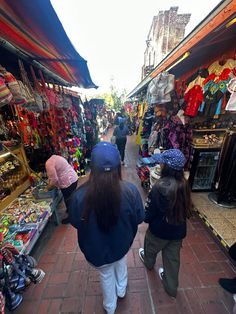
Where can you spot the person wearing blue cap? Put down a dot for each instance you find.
(167, 208)
(106, 212)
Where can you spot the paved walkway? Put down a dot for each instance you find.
(72, 286)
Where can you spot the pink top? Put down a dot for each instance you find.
(60, 173)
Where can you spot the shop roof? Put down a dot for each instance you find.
(97, 101)
(212, 36)
(34, 28)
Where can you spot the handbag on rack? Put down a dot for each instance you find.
(51, 96)
(67, 102)
(5, 94)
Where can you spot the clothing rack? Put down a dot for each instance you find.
(225, 194)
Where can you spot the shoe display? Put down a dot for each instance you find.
(141, 254)
(17, 283)
(161, 273)
(12, 300)
(37, 275)
(228, 284)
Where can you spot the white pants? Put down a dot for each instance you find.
(113, 280)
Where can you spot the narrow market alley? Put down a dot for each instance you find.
(72, 286)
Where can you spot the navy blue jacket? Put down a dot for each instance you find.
(155, 213)
(102, 248)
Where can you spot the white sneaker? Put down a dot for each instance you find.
(141, 254)
(234, 309)
(161, 273)
(121, 295)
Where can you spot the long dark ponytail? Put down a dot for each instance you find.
(177, 191)
(103, 197)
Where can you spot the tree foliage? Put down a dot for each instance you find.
(113, 100)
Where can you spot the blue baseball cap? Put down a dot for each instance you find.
(174, 158)
(105, 157)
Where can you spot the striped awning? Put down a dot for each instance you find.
(34, 28)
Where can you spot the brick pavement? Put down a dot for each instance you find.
(72, 286)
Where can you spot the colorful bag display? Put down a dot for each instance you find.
(5, 94)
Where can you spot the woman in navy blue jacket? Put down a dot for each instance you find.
(106, 212)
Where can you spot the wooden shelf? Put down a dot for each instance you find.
(10, 198)
(210, 130)
(20, 153)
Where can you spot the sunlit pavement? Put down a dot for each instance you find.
(72, 286)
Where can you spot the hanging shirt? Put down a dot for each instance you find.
(160, 88)
(217, 69)
(193, 98)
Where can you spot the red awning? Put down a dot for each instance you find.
(34, 28)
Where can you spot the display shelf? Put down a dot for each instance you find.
(28, 248)
(206, 146)
(14, 179)
(209, 130)
(10, 198)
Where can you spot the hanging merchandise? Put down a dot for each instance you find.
(5, 94)
(231, 104)
(226, 172)
(218, 66)
(18, 272)
(193, 98)
(160, 88)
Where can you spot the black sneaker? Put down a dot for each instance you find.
(65, 221)
(228, 284)
(141, 254)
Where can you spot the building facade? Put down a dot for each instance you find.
(167, 30)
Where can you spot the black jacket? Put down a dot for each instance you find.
(155, 213)
(102, 248)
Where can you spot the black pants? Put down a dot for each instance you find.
(67, 193)
(121, 143)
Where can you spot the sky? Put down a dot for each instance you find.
(111, 35)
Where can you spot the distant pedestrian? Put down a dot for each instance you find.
(120, 133)
(168, 206)
(62, 176)
(106, 212)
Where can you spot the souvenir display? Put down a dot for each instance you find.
(190, 114)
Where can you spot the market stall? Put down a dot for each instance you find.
(39, 116)
(190, 99)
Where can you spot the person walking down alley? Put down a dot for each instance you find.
(167, 208)
(106, 212)
(62, 176)
(120, 133)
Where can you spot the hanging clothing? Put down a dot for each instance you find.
(198, 81)
(160, 88)
(213, 97)
(226, 172)
(217, 68)
(175, 134)
(231, 104)
(193, 98)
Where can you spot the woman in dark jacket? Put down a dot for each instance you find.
(168, 206)
(106, 212)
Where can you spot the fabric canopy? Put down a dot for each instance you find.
(34, 28)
